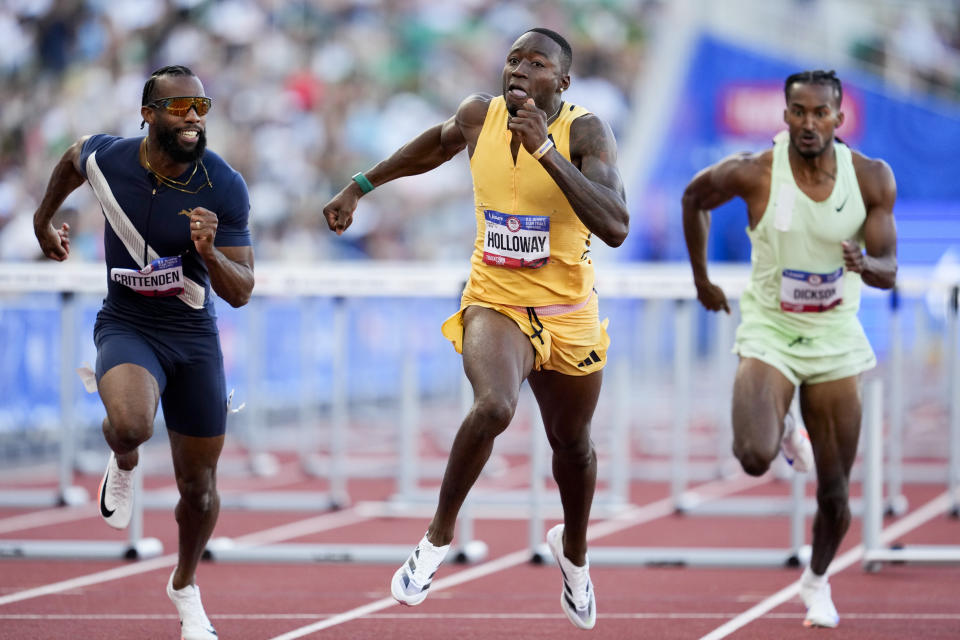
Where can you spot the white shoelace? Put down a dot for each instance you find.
(427, 561)
(578, 578)
(119, 484)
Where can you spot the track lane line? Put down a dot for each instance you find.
(629, 518)
(274, 534)
(909, 522)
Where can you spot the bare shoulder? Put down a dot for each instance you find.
(592, 137)
(473, 110)
(877, 183)
(744, 171)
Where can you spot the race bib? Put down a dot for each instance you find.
(516, 241)
(810, 292)
(162, 277)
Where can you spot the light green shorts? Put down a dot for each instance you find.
(841, 353)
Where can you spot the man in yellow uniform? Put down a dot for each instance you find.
(812, 202)
(545, 180)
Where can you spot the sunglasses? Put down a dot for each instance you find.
(181, 105)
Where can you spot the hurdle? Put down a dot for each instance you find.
(796, 506)
(875, 555)
(347, 282)
(66, 493)
(135, 547)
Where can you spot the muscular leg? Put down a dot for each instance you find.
(130, 395)
(567, 404)
(195, 467)
(497, 356)
(761, 398)
(831, 411)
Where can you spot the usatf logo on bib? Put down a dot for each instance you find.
(515, 241)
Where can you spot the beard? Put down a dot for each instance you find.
(170, 144)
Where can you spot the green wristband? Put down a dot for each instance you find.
(365, 185)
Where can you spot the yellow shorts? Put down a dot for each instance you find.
(573, 343)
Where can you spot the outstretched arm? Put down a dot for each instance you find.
(590, 179)
(710, 188)
(66, 177)
(427, 151)
(878, 267)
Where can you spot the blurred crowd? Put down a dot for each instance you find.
(304, 95)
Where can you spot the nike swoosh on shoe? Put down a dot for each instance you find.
(106, 513)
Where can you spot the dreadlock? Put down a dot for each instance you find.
(815, 77)
(566, 52)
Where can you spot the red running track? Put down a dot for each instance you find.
(504, 597)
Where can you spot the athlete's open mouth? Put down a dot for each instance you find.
(517, 92)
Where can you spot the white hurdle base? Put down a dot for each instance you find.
(931, 554)
(224, 550)
(692, 557)
(257, 501)
(81, 549)
(68, 497)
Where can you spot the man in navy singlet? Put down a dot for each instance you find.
(176, 228)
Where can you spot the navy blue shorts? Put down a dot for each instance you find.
(188, 368)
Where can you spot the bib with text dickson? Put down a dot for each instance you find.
(803, 292)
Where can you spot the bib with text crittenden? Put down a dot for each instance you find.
(162, 277)
(801, 291)
(515, 241)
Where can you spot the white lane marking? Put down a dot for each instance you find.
(911, 521)
(625, 520)
(274, 534)
(46, 518)
(660, 615)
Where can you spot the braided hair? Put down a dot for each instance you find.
(818, 76)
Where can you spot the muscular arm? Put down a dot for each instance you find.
(66, 177)
(230, 268)
(427, 151)
(878, 267)
(595, 190)
(589, 180)
(719, 183)
(231, 273)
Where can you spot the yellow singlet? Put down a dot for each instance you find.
(531, 248)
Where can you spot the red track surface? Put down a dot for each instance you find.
(514, 599)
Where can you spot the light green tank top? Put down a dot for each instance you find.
(798, 282)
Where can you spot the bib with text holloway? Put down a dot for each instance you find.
(515, 241)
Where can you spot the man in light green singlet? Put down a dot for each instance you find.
(820, 224)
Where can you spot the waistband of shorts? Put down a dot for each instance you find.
(554, 309)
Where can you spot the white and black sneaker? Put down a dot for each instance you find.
(577, 598)
(412, 580)
(194, 624)
(116, 494)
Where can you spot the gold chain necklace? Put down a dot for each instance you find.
(177, 184)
